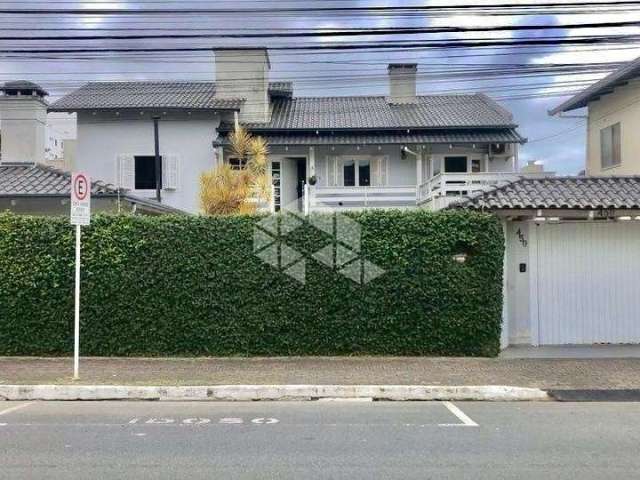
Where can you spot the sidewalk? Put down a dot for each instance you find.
(602, 373)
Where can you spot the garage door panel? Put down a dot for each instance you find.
(589, 283)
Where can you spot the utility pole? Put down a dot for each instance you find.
(158, 161)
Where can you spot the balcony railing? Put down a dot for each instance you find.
(354, 198)
(445, 188)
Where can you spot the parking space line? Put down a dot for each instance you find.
(460, 415)
(13, 409)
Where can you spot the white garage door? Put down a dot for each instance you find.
(589, 283)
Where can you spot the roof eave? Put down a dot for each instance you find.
(53, 108)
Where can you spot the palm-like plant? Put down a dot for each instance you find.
(225, 191)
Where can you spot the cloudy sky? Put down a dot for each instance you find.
(558, 142)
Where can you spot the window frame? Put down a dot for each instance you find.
(609, 133)
(356, 159)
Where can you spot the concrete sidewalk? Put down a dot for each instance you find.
(601, 373)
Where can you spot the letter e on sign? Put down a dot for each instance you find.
(80, 199)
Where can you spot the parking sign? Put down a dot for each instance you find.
(80, 199)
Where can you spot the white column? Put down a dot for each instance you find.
(220, 156)
(419, 166)
(312, 161)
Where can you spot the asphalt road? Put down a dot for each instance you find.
(421, 440)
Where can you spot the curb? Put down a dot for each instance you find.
(271, 392)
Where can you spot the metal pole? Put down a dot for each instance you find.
(76, 323)
(158, 162)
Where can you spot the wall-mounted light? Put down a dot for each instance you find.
(625, 218)
(540, 219)
(460, 257)
(554, 219)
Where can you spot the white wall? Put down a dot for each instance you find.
(102, 137)
(518, 242)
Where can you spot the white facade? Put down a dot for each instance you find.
(23, 122)
(106, 140)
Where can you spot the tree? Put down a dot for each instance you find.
(228, 191)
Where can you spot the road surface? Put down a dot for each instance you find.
(306, 440)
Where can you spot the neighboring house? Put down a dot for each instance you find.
(27, 185)
(35, 189)
(398, 150)
(572, 260)
(613, 106)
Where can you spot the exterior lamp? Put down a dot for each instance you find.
(460, 258)
(624, 218)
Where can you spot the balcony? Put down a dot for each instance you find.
(445, 188)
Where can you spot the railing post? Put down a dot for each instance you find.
(272, 205)
(306, 199)
(366, 199)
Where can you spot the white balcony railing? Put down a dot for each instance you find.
(354, 198)
(448, 187)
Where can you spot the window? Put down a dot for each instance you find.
(475, 165)
(610, 146)
(356, 173)
(349, 172)
(237, 163)
(455, 164)
(145, 172)
(364, 173)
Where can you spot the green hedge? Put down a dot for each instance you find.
(193, 286)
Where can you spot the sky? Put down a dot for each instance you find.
(558, 143)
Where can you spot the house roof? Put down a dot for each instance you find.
(504, 135)
(560, 192)
(606, 85)
(123, 95)
(36, 180)
(375, 112)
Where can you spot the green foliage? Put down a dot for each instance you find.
(193, 286)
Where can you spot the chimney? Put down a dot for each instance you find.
(23, 118)
(402, 82)
(244, 73)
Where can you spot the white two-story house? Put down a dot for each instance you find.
(401, 149)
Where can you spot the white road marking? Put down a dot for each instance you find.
(260, 421)
(466, 421)
(13, 409)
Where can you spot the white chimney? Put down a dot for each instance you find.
(244, 73)
(402, 82)
(23, 120)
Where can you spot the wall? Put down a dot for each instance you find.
(102, 137)
(623, 105)
(518, 242)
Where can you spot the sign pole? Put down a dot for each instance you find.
(76, 323)
(80, 215)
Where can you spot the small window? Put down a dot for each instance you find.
(349, 171)
(145, 172)
(610, 154)
(237, 163)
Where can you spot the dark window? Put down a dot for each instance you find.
(364, 173)
(146, 172)
(610, 146)
(349, 169)
(237, 163)
(455, 164)
(475, 165)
